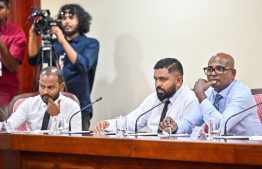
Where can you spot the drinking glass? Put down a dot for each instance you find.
(121, 128)
(213, 127)
(57, 125)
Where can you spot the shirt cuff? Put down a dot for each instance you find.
(112, 126)
(174, 132)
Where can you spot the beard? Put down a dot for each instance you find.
(166, 93)
(45, 97)
(70, 33)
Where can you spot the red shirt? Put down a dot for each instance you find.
(15, 41)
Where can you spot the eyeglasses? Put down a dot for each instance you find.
(69, 12)
(219, 70)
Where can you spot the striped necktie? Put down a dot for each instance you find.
(216, 101)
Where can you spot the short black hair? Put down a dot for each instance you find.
(171, 64)
(55, 70)
(84, 19)
(6, 2)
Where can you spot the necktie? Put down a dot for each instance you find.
(216, 101)
(45, 121)
(163, 115)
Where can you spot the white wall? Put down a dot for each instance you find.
(135, 34)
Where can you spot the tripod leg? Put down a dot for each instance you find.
(55, 58)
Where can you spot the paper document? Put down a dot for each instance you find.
(76, 132)
(232, 137)
(33, 132)
(174, 135)
(131, 133)
(255, 138)
(143, 134)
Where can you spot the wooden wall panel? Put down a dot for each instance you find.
(104, 151)
(19, 12)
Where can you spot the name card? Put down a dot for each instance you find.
(198, 132)
(6, 127)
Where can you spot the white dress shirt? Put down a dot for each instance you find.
(32, 111)
(181, 103)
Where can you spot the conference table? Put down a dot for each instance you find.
(30, 150)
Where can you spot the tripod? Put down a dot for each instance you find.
(48, 57)
(47, 50)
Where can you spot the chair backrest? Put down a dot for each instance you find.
(17, 100)
(256, 91)
(19, 97)
(258, 98)
(71, 96)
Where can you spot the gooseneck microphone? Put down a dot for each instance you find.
(163, 101)
(4, 115)
(225, 127)
(97, 100)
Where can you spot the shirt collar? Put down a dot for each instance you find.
(76, 39)
(175, 96)
(4, 25)
(224, 92)
(43, 104)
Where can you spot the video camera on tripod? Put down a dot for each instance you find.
(43, 25)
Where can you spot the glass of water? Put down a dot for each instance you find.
(57, 125)
(213, 127)
(121, 126)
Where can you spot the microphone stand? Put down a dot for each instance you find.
(100, 98)
(136, 131)
(225, 129)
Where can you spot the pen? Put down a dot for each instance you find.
(170, 131)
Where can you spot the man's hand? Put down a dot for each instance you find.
(200, 87)
(100, 126)
(52, 108)
(166, 124)
(32, 30)
(10, 62)
(58, 33)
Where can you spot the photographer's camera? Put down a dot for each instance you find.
(43, 25)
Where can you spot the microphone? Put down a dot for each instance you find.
(4, 115)
(165, 100)
(97, 100)
(225, 128)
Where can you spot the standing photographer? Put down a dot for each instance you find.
(12, 49)
(77, 54)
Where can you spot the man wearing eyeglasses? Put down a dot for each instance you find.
(220, 97)
(77, 54)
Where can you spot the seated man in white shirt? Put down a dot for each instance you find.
(168, 75)
(49, 102)
(220, 97)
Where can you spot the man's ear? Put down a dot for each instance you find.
(62, 86)
(7, 9)
(234, 72)
(179, 81)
